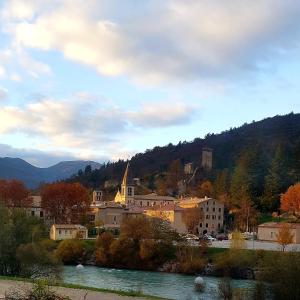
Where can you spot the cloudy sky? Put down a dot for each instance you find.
(104, 79)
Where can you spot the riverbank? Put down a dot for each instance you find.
(74, 291)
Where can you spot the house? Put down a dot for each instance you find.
(269, 231)
(108, 214)
(67, 231)
(35, 209)
(169, 213)
(213, 213)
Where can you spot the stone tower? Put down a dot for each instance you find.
(207, 157)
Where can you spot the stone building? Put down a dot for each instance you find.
(213, 213)
(207, 158)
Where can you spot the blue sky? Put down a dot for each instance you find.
(103, 79)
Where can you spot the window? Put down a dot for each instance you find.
(214, 202)
(206, 225)
(129, 191)
(219, 217)
(141, 203)
(66, 231)
(207, 217)
(219, 225)
(207, 209)
(41, 214)
(32, 212)
(59, 231)
(220, 209)
(201, 208)
(214, 209)
(148, 204)
(213, 217)
(200, 224)
(115, 219)
(271, 234)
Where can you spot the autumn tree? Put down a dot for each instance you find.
(192, 217)
(220, 187)
(290, 200)
(65, 202)
(174, 175)
(284, 237)
(14, 193)
(205, 189)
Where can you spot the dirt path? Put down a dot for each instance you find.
(74, 294)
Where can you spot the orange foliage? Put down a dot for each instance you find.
(14, 194)
(290, 200)
(65, 202)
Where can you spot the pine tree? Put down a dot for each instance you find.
(275, 181)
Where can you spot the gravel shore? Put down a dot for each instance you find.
(74, 294)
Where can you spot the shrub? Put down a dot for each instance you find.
(70, 251)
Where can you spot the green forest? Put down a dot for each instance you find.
(252, 165)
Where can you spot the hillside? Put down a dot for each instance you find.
(16, 168)
(251, 147)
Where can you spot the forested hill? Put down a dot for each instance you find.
(253, 147)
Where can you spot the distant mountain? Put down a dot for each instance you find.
(16, 168)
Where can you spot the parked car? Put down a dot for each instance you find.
(209, 237)
(190, 236)
(221, 237)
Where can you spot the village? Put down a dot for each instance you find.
(192, 217)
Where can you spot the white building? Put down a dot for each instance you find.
(67, 231)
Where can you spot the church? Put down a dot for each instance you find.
(128, 197)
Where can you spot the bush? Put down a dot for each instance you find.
(282, 271)
(70, 251)
(36, 261)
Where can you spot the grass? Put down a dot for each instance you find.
(264, 218)
(131, 293)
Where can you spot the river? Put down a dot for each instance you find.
(166, 285)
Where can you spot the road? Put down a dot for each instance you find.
(257, 245)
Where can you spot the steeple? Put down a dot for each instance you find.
(126, 196)
(127, 178)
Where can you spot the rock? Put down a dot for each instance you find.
(79, 267)
(199, 284)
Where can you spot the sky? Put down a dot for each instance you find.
(104, 79)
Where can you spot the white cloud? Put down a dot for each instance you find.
(2, 72)
(159, 39)
(162, 114)
(76, 124)
(3, 93)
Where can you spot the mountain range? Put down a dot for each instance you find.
(31, 176)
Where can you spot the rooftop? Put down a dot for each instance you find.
(278, 225)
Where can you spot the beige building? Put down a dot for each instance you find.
(169, 213)
(67, 231)
(213, 213)
(269, 231)
(108, 214)
(97, 197)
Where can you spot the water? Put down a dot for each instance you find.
(166, 285)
